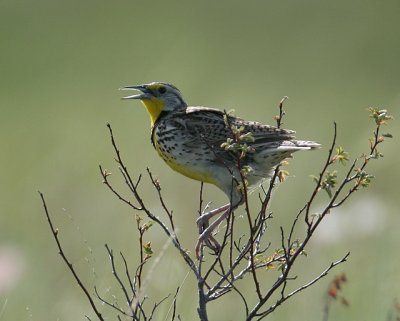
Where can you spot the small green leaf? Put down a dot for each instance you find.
(364, 179)
(329, 182)
(247, 170)
(145, 227)
(248, 137)
(341, 155)
(147, 248)
(138, 218)
(282, 175)
(240, 186)
(380, 116)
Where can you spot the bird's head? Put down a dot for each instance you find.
(158, 97)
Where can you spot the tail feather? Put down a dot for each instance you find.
(299, 144)
(273, 154)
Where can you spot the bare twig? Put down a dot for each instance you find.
(54, 231)
(128, 275)
(112, 305)
(116, 275)
(174, 304)
(285, 297)
(156, 305)
(142, 207)
(169, 213)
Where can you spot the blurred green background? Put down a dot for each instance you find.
(61, 64)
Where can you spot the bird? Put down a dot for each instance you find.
(203, 143)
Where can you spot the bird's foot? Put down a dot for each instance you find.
(206, 230)
(203, 220)
(209, 241)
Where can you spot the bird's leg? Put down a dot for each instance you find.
(212, 244)
(206, 235)
(203, 220)
(203, 223)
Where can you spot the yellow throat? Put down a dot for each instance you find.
(154, 108)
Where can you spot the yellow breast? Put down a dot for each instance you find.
(190, 172)
(195, 172)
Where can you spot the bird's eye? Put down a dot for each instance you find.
(162, 89)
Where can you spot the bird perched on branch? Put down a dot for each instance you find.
(212, 146)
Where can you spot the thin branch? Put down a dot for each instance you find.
(156, 305)
(169, 213)
(303, 287)
(310, 230)
(281, 112)
(112, 305)
(128, 275)
(54, 231)
(321, 176)
(116, 275)
(105, 175)
(251, 237)
(142, 207)
(174, 304)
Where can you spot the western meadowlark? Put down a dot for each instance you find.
(191, 141)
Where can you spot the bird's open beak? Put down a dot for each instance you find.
(143, 88)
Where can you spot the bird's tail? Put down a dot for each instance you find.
(271, 156)
(299, 144)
